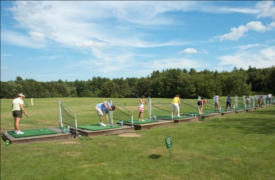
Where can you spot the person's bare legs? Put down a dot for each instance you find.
(100, 119)
(141, 114)
(16, 123)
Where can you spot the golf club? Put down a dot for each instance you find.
(34, 124)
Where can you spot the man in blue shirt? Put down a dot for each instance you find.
(104, 107)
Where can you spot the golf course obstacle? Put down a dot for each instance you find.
(48, 134)
(121, 114)
(149, 123)
(67, 117)
(159, 110)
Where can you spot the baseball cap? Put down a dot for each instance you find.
(21, 95)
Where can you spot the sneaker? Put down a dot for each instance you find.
(15, 131)
(20, 132)
(101, 124)
(178, 116)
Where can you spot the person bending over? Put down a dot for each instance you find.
(200, 104)
(176, 105)
(104, 107)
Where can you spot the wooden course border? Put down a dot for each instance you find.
(31, 139)
(151, 125)
(113, 131)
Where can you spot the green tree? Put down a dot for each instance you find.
(109, 89)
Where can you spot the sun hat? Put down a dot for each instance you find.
(21, 95)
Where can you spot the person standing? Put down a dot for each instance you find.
(201, 103)
(142, 101)
(176, 105)
(228, 102)
(248, 101)
(260, 101)
(104, 107)
(17, 111)
(216, 102)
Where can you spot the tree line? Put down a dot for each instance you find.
(166, 84)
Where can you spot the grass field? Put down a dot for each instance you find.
(235, 146)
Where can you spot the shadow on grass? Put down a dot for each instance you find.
(265, 112)
(154, 156)
(261, 122)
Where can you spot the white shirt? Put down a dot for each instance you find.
(16, 104)
(216, 98)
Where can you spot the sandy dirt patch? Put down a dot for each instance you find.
(130, 135)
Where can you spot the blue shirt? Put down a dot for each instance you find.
(228, 99)
(103, 108)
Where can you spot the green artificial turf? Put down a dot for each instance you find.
(97, 127)
(32, 132)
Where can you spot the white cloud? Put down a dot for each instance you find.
(257, 26)
(263, 9)
(248, 46)
(193, 51)
(83, 24)
(20, 39)
(90, 44)
(266, 9)
(189, 51)
(269, 53)
(243, 59)
(37, 36)
(237, 33)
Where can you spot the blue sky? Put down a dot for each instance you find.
(78, 40)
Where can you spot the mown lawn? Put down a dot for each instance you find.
(234, 146)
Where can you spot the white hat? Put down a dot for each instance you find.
(21, 95)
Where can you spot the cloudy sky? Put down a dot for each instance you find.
(52, 40)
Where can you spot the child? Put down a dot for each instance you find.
(228, 102)
(142, 101)
(260, 101)
(200, 104)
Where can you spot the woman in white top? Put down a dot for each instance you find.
(17, 111)
(141, 107)
(216, 102)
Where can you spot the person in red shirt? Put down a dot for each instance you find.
(201, 102)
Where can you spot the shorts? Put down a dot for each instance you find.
(216, 104)
(99, 112)
(17, 114)
(175, 106)
(140, 109)
(199, 103)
